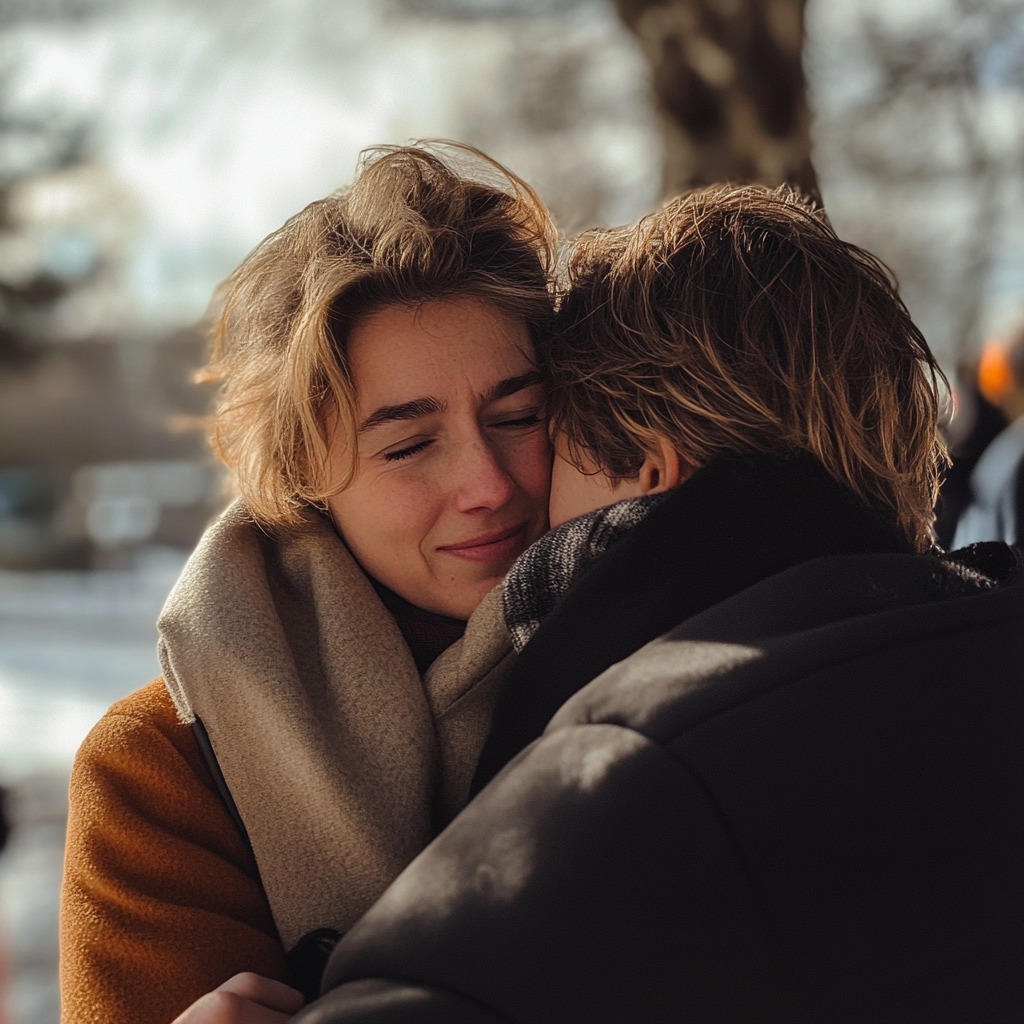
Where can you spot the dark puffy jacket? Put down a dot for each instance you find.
(802, 804)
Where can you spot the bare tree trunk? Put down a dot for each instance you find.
(729, 85)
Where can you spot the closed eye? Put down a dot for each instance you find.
(404, 453)
(524, 421)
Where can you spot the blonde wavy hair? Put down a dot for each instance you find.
(429, 221)
(735, 320)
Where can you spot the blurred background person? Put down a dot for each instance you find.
(996, 509)
(971, 423)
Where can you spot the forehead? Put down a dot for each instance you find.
(434, 348)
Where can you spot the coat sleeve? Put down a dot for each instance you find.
(161, 900)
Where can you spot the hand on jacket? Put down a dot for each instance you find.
(246, 998)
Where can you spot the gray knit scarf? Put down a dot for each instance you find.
(543, 573)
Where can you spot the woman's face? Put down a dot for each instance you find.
(453, 459)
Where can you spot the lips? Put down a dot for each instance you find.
(496, 546)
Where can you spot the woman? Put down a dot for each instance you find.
(382, 414)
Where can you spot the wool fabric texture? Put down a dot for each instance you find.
(428, 634)
(161, 900)
(342, 760)
(544, 573)
(331, 744)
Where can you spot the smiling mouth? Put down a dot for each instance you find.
(498, 546)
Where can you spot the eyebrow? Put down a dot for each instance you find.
(406, 411)
(511, 385)
(427, 406)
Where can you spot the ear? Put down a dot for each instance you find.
(664, 469)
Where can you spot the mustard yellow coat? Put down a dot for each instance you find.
(161, 900)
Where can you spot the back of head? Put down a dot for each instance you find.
(735, 321)
(423, 222)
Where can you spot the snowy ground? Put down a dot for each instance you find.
(71, 643)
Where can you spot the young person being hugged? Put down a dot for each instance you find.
(764, 737)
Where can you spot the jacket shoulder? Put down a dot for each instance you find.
(158, 883)
(141, 716)
(819, 616)
(141, 762)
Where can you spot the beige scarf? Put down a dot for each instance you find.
(340, 758)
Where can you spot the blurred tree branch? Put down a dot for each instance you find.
(29, 148)
(939, 113)
(729, 84)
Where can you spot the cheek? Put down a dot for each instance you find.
(383, 520)
(529, 465)
(574, 493)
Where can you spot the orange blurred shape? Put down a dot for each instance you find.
(995, 377)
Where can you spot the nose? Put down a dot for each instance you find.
(478, 478)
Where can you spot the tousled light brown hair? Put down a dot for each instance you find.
(430, 221)
(735, 320)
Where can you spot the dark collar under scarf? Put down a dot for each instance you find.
(428, 634)
(735, 522)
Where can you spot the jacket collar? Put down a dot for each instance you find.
(735, 522)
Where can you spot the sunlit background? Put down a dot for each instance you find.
(146, 146)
